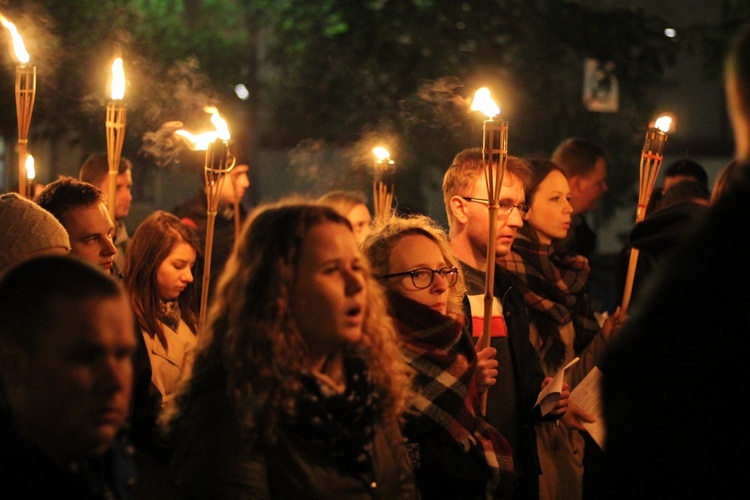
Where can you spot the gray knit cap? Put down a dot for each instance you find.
(25, 229)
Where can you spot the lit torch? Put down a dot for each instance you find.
(115, 125)
(219, 162)
(382, 187)
(494, 158)
(30, 176)
(651, 158)
(25, 95)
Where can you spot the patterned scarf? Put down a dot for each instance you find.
(169, 313)
(554, 287)
(444, 359)
(341, 426)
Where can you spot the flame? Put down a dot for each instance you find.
(483, 102)
(30, 171)
(200, 142)
(118, 80)
(663, 123)
(18, 46)
(381, 153)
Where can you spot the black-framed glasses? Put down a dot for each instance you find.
(424, 276)
(505, 206)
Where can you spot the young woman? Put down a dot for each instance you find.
(297, 386)
(562, 324)
(159, 280)
(455, 453)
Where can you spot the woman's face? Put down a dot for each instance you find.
(412, 252)
(175, 272)
(329, 297)
(549, 213)
(360, 219)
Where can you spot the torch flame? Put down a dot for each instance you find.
(118, 80)
(381, 153)
(18, 46)
(483, 102)
(200, 142)
(663, 123)
(30, 171)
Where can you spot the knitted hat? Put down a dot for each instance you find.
(25, 229)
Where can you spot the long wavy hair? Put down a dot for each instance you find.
(380, 242)
(151, 243)
(252, 350)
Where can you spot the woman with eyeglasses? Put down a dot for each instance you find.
(562, 325)
(454, 451)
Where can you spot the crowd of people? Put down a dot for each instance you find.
(340, 355)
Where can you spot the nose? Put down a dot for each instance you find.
(568, 208)
(115, 374)
(108, 247)
(128, 195)
(515, 218)
(243, 181)
(354, 282)
(187, 276)
(439, 285)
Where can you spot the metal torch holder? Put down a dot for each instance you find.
(115, 126)
(219, 162)
(25, 96)
(651, 159)
(383, 187)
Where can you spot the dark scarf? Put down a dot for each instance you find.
(169, 313)
(341, 426)
(435, 345)
(554, 287)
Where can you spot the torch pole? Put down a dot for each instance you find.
(115, 125)
(651, 158)
(494, 158)
(382, 188)
(219, 162)
(25, 96)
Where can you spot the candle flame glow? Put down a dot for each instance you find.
(200, 142)
(483, 102)
(118, 80)
(381, 153)
(30, 171)
(663, 123)
(18, 47)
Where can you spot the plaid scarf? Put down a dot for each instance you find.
(445, 361)
(554, 287)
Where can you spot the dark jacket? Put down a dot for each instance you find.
(674, 378)
(26, 472)
(527, 377)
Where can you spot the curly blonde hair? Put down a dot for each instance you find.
(252, 350)
(385, 234)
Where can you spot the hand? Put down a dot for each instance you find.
(574, 416)
(486, 372)
(613, 324)
(562, 405)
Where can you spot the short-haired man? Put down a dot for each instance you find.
(672, 380)
(95, 170)
(684, 169)
(82, 210)
(585, 165)
(66, 341)
(510, 402)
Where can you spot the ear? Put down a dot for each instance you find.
(574, 182)
(458, 206)
(13, 364)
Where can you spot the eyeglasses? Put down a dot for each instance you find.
(506, 207)
(424, 276)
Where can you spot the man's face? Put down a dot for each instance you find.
(477, 224)
(75, 388)
(123, 195)
(235, 184)
(90, 230)
(586, 191)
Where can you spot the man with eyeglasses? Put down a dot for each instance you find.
(511, 401)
